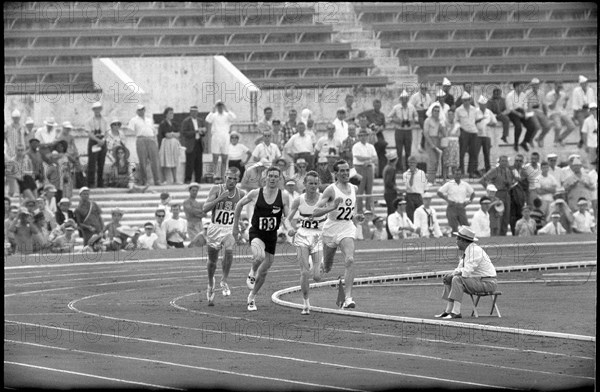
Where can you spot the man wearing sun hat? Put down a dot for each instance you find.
(96, 127)
(14, 133)
(582, 96)
(88, 216)
(537, 106)
(425, 219)
(47, 134)
(448, 98)
(583, 219)
(475, 274)
(554, 227)
(403, 116)
(589, 133)
(146, 145)
(341, 125)
(466, 116)
(390, 189)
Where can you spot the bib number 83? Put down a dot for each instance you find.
(345, 213)
(266, 224)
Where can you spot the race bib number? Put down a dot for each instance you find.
(307, 224)
(224, 218)
(345, 213)
(267, 224)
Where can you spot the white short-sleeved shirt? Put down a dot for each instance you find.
(590, 128)
(480, 224)
(270, 152)
(147, 242)
(583, 222)
(44, 136)
(299, 144)
(173, 224)
(237, 152)
(341, 129)
(363, 150)
(324, 144)
(561, 103)
(142, 127)
(221, 123)
(458, 193)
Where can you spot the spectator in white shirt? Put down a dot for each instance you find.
(589, 133)
(147, 240)
(364, 159)
(526, 226)
(547, 187)
(159, 228)
(583, 220)
(403, 116)
(266, 124)
(483, 119)
(554, 227)
(176, 228)
(465, 116)
(220, 120)
(516, 104)
(146, 145)
(398, 223)
(553, 169)
(458, 194)
(341, 126)
(47, 134)
(480, 224)
(582, 96)
(379, 233)
(239, 154)
(536, 105)
(556, 102)
(421, 101)
(533, 171)
(266, 149)
(327, 144)
(441, 101)
(415, 181)
(300, 145)
(426, 220)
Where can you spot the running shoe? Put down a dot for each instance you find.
(225, 289)
(251, 305)
(210, 294)
(250, 280)
(349, 303)
(306, 311)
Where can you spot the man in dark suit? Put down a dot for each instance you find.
(191, 138)
(63, 213)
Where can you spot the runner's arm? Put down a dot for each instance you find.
(290, 217)
(328, 196)
(212, 199)
(251, 196)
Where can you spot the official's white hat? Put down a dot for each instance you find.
(140, 107)
(492, 188)
(535, 81)
(15, 113)
(482, 100)
(404, 94)
(441, 93)
(96, 105)
(593, 105)
(465, 95)
(552, 156)
(29, 121)
(446, 82)
(582, 79)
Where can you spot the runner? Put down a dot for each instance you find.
(339, 202)
(222, 200)
(271, 203)
(307, 238)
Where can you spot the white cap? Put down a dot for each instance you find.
(465, 95)
(446, 82)
(551, 155)
(441, 93)
(573, 156)
(96, 105)
(482, 100)
(29, 121)
(582, 79)
(428, 195)
(15, 113)
(84, 189)
(535, 81)
(140, 107)
(50, 122)
(492, 188)
(193, 184)
(593, 105)
(577, 161)
(67, 124)
(404, 94)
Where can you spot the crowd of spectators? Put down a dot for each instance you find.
(43, 167)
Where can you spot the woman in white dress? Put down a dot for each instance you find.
(168, 155)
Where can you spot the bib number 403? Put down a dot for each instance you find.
(224, 218)
(346, 213)
(267, 224)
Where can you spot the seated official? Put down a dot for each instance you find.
(475, 274)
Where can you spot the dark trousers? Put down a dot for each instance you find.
(505, 218)
(505, 123)
(519, 122)
(485, 144)
(467, 144)
(457, 215)
(403, 138)
(413, 201)
(389, 201)
(193, 164)
(422, 118)
(95, 165)
(176, 244)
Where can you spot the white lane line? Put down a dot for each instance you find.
(155, 361)
(204, 257)
(277, 357)
(90, 375)
(271, 338)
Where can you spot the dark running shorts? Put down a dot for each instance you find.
(269, 238)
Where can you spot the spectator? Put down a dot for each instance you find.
(578, 185)
(480, 224)
(290, 187)
(556, 103)
(10, 216)
(49, 196)
(538, 215)
(327, 144)
(582, 96)
(533, 172)
(516, 102)
(497, 105)
(390, 189)
(287, 171)
(22, 167)
(526, 226)
(433, 131)
(88, 216)
(442, 105)
(169, 145)
(276, 135)
(305, 116)
(49, 220)
(146, 145)
(450, 155)
(116, 239)
(403, 116)
(536, 105)
(165, 204)
(177, 227)
(148, 240)
(72, 154)
(458, 194)
(547, 187)
(379, 233)
(114, 137)
(244, 231)
(325, 175)
(63, 240)
(589, 133)
(64, 213)
(300, 145)
(43, 234)
(35, 155)
(266, 149)
(475, 274)
(266, 123)
(159, 228)
(554, 170)
(415, 181)
(193, 213)
(94, 244)
(60, 171)
(14, 133)
(351, 115)
(97, 128)
(220, 119)
(448, 98)
(192, 139)
(288, 129)
(123, 172)
(583, 220)
(518, 192)
(502, 178)
(375, 118)
(421, 101)
(484, 118)
(29, 125)
(593, 174)
(363, 229)
(559, 205)
(47, 135)
(365, 157)
(25, 233)
(465, 116)
(399, 224)
(341, 126)
(554, 227)
(239, 154)
(381, 148)
(426, 220)
(348, 143)
(467, 88)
